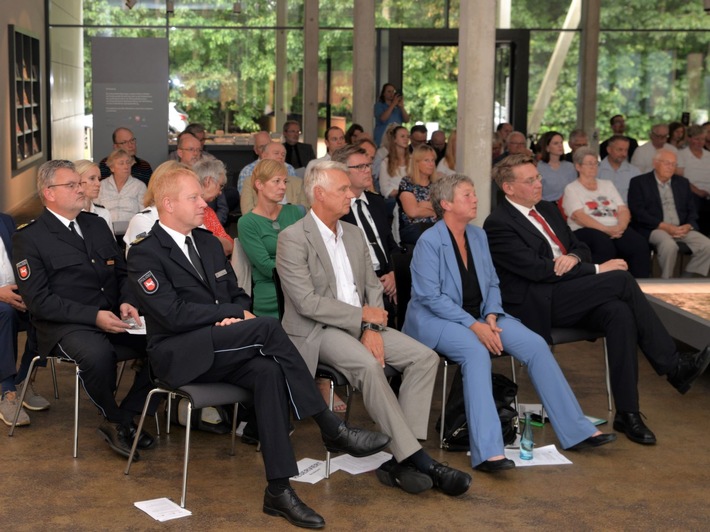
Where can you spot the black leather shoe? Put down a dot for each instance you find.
(146, 441)
(631, 424)
(493, 466)
(118, 438)
(593, 441)
(404, 475)
(449, 480)
(287, 505)
(356, 442)
(689, 368)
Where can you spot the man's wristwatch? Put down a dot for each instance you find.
(372, 327)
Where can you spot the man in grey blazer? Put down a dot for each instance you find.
(334, 313)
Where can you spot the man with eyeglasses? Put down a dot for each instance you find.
(298, 154)
(71, 274)
(663, 211)
(189, 149)
(643, 156)
(368, 212)
(124, 139)
(515, 144)
(547, 280)
(262, 140)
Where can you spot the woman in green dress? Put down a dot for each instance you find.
(259, 231)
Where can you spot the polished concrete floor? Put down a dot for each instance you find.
(622, 486)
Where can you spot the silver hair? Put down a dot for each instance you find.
(581, 153)
(443, 189)
(317, 176)
(46, 172)
(213, 168)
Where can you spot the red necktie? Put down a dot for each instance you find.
(547, 229)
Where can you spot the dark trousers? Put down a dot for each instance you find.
(613, 302)
(631, 247)
(257, 355)
(97, 356)
(703, 207)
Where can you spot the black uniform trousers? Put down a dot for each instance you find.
(257, 354)
(95, 352)
(613, 302)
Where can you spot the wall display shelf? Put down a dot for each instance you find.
(25, 98)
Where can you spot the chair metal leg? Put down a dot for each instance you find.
(119, 375)
(167, 421)
(331, 401)
(515, 380)
(76, 410)
(22, 395)
(157, 424)
(608, 377)
(54, 377)
(234, 428)
(443, 404)
(187, 454)
(140, 427)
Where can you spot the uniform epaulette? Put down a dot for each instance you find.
(140, 238)
(203, 229)
(87, 212)
(145, 211)
(99, 206)
(22, 226)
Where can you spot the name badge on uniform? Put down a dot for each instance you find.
(110, 262)
(23, 270)
(220, 273)
(148, 283)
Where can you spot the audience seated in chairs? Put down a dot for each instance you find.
(346, 328)
(663, 211)
(547, 280)
(199, 330)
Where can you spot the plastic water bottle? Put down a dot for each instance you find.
(526, 440)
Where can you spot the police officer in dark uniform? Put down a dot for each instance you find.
(200, 330)
(72, 276)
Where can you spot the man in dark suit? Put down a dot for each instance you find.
(663, 211)
(547, 280)
(618, 127)
(201, 331)
(368, 212)
(71, 275)
(298, 154)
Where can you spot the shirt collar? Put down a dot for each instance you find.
(65, 221)
(178, 237)
(325, 231)
(525, 211)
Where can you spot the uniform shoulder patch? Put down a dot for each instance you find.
(23, 270)
(149, 283)
(140, 238)
(22, 226)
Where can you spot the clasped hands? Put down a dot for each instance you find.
(372, 340)
(488, 334)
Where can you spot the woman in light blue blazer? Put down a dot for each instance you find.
(456, 309)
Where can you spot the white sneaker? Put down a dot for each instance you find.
(33, 400)
(8, 407)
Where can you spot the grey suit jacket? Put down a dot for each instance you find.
(309, 285)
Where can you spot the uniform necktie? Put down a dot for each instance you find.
(72, 228)
(370, 233)
(195, 258)
(548, 230)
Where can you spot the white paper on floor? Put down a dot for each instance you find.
(312, 471)
(162, 509)
(546, 455)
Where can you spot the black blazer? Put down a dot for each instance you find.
(524, 262)
(305, 154)
(645, 203)
(65, 282)
(376, 206)
(180, 308)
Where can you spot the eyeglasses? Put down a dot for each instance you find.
(129, 141)
(595, 163)
(667, 163)
(361, 167)
(72, 185)
(191, 150)
(658, 135)
(530, 180)
(275, 225)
